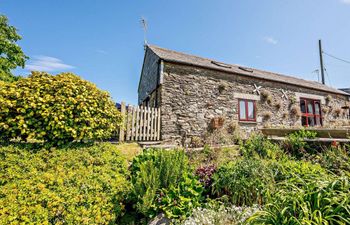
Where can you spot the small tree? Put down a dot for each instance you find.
(56, 109)
(11, 55)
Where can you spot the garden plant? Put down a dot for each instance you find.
(56, 110)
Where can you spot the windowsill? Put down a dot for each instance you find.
(248, 122)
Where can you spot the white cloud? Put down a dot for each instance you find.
(100, 51)
(47, 63)
(345, 1)
(271, 40)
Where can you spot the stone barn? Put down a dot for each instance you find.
(198, 95)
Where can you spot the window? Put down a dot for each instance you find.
(247, 110)
(310, 112)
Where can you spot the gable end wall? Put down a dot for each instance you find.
(149, 75)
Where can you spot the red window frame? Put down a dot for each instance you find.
(247, 119)
(306, 115)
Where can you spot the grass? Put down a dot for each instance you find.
(213, 156)
(129, 150)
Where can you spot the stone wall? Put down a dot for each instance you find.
(153, 99)
(191, 97)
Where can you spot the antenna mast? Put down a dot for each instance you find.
(144, 27)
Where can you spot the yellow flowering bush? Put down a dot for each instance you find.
(80, 185)
(56, 109)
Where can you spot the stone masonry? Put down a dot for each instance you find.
(192, 96)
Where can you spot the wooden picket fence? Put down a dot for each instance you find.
(141, 123)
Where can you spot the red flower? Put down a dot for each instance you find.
(334, 144)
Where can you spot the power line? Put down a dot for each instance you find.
(332, 56)
(329, 80)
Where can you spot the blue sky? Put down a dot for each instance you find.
(102, 41)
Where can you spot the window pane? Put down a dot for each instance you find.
(302, 106)
(242, 110)
(303, 121)
(318, 121)
(311, 121)
(251, 114)
(317, 108)
(310, 108)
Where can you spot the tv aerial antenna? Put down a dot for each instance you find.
(144, 25)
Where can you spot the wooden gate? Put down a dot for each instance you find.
(141, 123)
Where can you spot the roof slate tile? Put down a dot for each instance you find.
(182, 58)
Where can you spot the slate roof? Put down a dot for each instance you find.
(182, 58)
(347, 90)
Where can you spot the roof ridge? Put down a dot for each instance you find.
(187, 54)
(154, 48)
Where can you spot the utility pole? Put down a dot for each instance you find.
(321, 61)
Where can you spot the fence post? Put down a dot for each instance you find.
(137, 123)
(142, 119)
(158, 124)
(147, 117)
(128, 123)
(121, 130)
(151, 123)
(133, 123)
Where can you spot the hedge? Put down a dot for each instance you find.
(56, 109)
(83, 185)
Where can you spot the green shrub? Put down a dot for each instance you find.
(289, 170)
(246, 182)
(296, 144)
(334, 159)
(161, 177)
(179, 201)
(213, 156)
(172, 164)
(258, 146)
(82, 185)
(315, 203)
(57, 109)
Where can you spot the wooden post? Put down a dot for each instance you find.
(122, 128)
(133, 124)
(128, 124)
(142, 123)
(137, 123)
(151, 125)
(147, 115)
(158, 124)
(155, 123)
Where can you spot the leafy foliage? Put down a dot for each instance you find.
(172, 164)
(296, 144)
(162, 180)
(82, 185)
(315, 202)
(335, 159)
(213, 156)
(57, 109)
(11, 55)
(246, 182)
(290, 170)
(259, 146)
(205, 174)
(178, 201)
